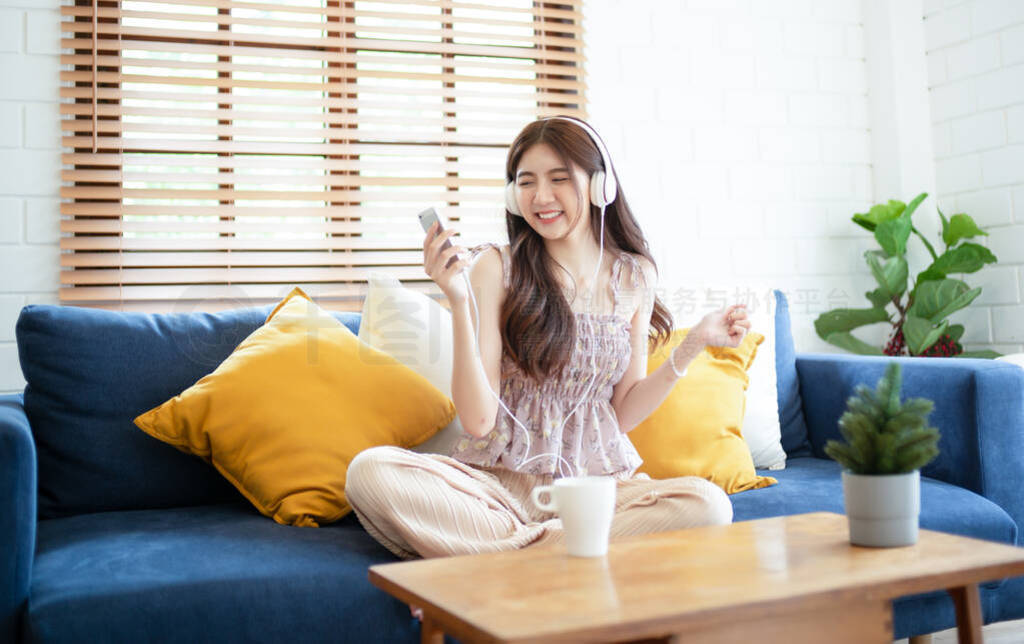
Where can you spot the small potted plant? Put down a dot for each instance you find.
(887, 444)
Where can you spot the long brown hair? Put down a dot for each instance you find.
(538, 327)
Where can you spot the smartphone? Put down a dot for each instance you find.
(427, 219)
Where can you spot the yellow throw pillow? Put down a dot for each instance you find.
(696, 431)
(288, 410)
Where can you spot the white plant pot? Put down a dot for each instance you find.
(882, 509)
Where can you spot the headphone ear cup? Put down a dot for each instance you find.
(597, 196)
(510, 199)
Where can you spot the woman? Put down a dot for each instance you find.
(565, 314)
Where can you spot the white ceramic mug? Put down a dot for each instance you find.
(586, 505)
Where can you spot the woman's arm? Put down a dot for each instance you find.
(476, 406)
(638, 393)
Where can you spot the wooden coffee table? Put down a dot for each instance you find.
(784, 579)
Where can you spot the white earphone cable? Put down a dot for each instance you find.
(593, 360)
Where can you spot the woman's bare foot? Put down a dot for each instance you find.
(416, 611)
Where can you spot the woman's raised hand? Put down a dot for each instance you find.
(435, 263)
(723, 328)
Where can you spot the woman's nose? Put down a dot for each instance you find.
(544, 193)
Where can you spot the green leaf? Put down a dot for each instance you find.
(920, 334)
(863, 221)
(924, 240)
(960, 302)
(891, 276)
(955, 331)
(878, 214)
(913, 205)
(936, 300)
(845, 456)
(916, 448)
(945, 222)
(845, 340)
(892, 235)
(918, 406)
(927, 276)
(965, 258)
(889, 387)
(980, 353)
(838, 320)
(878, 298)
(960, 227)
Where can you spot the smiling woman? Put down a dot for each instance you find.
(220, 153)
(568, 356)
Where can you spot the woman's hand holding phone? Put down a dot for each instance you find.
(442, 264)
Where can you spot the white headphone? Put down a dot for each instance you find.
(603, 188)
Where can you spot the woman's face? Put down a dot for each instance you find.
(547, 195)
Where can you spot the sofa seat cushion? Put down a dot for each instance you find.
(219, 573)
(811, 484)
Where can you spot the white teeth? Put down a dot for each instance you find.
(549, 216)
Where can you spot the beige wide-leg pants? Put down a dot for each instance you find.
(429, 505)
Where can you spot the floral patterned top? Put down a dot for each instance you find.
(565, 415)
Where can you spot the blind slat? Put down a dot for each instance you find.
(187, 146)
(223, 243)
(180, 297)
(496, 65)
(243, 275)
(325, 14)
(223, 83)
(304, 132)
(115, 176)
(243, 258)
(283, 163)
(355, 193)
(126, 41)
(511, 99)
(349, 30)
(107, 221)
(543, 12)
(114, 209)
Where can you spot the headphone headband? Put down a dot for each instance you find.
(603, 188)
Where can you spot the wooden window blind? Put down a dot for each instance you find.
(220, 152)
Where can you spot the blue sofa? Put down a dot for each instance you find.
(112, 536)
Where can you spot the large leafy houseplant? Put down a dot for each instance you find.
(920, 324)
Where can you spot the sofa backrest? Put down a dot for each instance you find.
(90, 372)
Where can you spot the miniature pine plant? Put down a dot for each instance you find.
(883, 435)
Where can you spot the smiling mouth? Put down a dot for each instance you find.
(548, 216)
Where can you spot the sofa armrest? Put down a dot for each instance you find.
(979, 411)
(18, 521)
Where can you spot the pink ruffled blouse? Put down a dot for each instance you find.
(589, 439)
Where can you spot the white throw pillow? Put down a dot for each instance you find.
(761, 427)
(1013, 358)
(416, 331)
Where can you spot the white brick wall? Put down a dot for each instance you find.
(29, 168)
(976, 78)
(772, 95)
